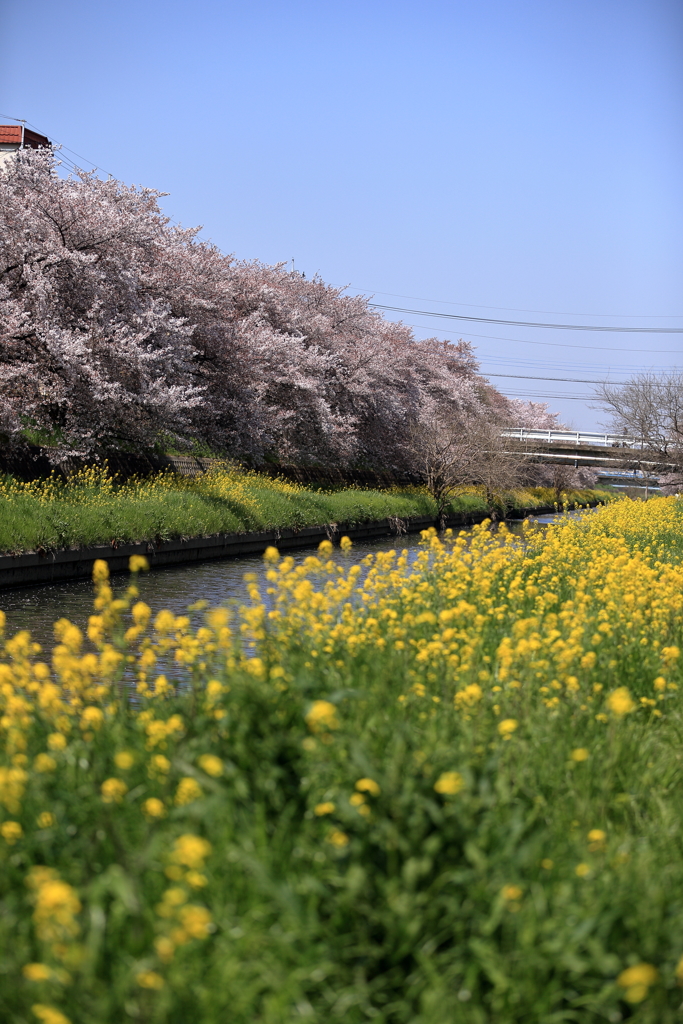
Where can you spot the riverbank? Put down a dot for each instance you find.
(54, 530)
(92, 507)
(33, 568)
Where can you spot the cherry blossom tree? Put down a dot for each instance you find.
(120, 331)
(533, 415)
(89, 358)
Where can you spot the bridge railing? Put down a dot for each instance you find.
(571, 437)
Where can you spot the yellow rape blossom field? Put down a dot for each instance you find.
(408, 792)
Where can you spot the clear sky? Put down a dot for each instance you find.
(477, 158)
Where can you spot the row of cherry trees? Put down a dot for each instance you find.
(120, 332)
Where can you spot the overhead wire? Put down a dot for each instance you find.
(567, 380)
(553, 344)
(545, 397)
(515, 309)
(522, 323)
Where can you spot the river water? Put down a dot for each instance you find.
(217, 581)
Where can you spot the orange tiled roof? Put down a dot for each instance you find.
(10, 134)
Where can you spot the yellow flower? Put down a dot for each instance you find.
(12, 784)
(368, 786)
(325, 808)
(48, 1014)
(165, 948)
(196, 879)
(56, 741)
(218, 618)
(44, 763)
(547, 864)
(582, 870)
(271, 554)
(124, 760)
(45, 820)
(138, 563)
(191, 850)
(141, 613)
(36, 972)
(153, 807)
(100, 571)
(596, 839)
(149, 979)
(56, 905)
(325, 547)
(196, 921)
(214, 689)
(449, 783)
(507, 727)
(580, 754)
(670, 655)
(620, 701)
(91, 718)
(162, 686)
(211, 764)
(338, 839)
(159, 765)
(469, 696)
(173, 897)
(511, 892)
(346, 543)
(322, 715)
(637, 980)
(11, 831)
(187, 791)
(164, 622)
(113, 791)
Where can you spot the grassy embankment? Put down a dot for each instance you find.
(442, 791)
(91, 508)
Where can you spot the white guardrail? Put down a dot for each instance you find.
(571, 437)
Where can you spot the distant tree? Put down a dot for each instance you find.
(500, 462)
(442, 448)
(649, 409)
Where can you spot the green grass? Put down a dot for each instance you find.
(93, 509)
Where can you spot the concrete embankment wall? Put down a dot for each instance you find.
(58, 566)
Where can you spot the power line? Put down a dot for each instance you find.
(555, 344)
(564, 366)
(550, 398)
(515, 309)
(565, 380)
(519, 323)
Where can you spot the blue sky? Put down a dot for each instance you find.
(476, 158)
